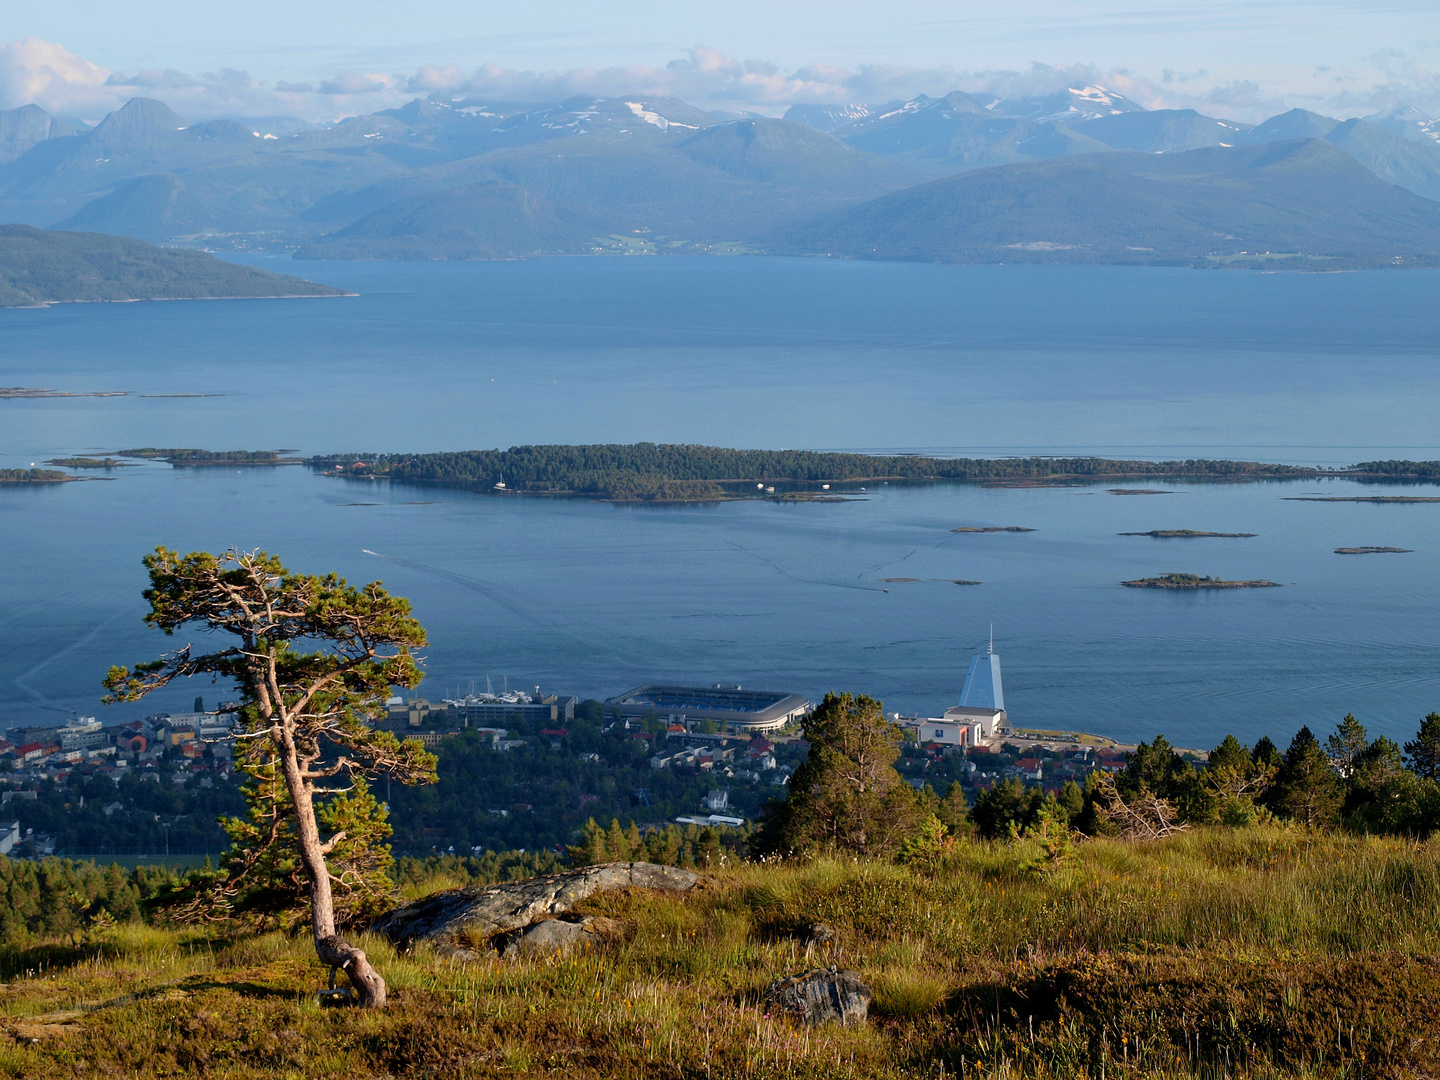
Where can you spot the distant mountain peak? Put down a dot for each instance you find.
(1079, 101)
(22, 128)
(1408, 122)
(140, 121)
(828, 118)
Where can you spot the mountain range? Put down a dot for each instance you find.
(464, 178)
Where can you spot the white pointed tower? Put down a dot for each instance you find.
(982, 698)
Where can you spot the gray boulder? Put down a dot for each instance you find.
(560, 937)
(821, 996)
(480, 920)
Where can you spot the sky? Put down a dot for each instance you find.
(320, 60)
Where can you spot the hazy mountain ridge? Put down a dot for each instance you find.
(639, 167)
(1303, 199)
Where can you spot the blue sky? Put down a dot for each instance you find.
(323, 58)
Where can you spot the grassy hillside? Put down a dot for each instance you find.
(54, 267)
(1256, 953)
(1306, 199)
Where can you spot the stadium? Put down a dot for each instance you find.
(738, 709)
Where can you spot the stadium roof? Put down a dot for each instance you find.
(729, 704)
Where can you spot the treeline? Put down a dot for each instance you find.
(693, 846)
(62, 896)
(1399, 470)
(657, 470)
(1349, 782)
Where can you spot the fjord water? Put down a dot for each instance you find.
(592, 598)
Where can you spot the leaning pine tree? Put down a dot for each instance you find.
(310, 712)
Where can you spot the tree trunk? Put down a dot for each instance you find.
(333, 950)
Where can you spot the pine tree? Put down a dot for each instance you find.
(846, 796)
(1266, 752)
(953, 811)
(1306, 787)
(1424, 752)
(1236, 780)
(1006, 809)
(1347, 745)
(314, 710)
(262, 878)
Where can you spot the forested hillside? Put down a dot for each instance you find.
(56, 267)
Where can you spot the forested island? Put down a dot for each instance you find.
(678, 472)
(660, 472)
(1364, 498)
(34, 476)
(1194, 581)
(195, 457)
(90, 463)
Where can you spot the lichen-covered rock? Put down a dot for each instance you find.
(560, 937)
(480, 920)
(822, 996)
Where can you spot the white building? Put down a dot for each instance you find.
(982, 699)
(979, 717)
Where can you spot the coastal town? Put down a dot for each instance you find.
(732, 749)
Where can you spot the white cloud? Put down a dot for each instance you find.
(47, 74)
(355, 83)
(33, 70)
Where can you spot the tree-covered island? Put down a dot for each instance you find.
(683, 472)
(34, 476)
(1194, 581)
(675, 472)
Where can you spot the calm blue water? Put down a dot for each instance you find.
(592, 599)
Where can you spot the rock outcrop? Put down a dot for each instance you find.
(514, 919)
(821, 996)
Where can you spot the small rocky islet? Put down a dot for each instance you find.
(1186, 534)
(1194, 581)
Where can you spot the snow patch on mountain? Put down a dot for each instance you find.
(638, 108)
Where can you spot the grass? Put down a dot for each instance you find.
(1252, 954)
